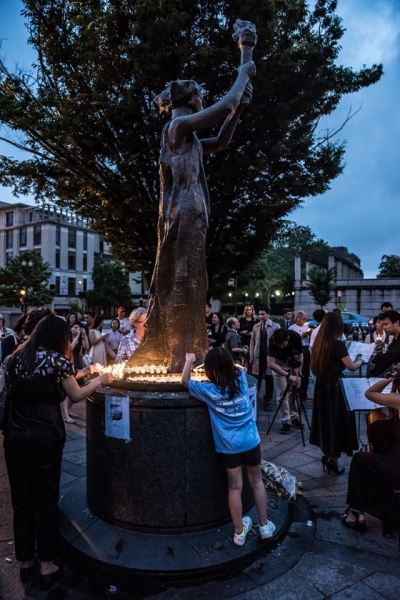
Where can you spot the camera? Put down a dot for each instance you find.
(294, 361)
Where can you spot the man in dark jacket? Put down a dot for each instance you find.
(382, 362)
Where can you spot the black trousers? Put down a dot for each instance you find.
(34, 470)
(269, 382)
(305, 372)
(372, 478)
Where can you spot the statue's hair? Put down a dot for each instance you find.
(178, 93)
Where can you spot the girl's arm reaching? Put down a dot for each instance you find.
(190, 358)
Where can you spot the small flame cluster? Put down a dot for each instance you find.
(150, 373)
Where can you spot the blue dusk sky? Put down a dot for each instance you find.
(362, 208)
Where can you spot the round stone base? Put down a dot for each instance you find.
(169, 558)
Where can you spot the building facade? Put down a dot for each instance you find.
(351, 291)
(63, 239)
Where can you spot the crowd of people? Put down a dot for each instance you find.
(283, 354)
(51, 363)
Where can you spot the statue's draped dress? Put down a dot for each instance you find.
(179, 285)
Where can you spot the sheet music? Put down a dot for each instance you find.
(354, 389)
(358, 348)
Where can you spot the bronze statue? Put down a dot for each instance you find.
(175, 323)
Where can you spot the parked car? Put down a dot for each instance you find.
(348, 320)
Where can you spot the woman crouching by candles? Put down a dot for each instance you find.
(39, 374)
(373, 477)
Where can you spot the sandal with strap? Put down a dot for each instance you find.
(349, 522)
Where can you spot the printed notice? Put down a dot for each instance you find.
(360, 350)
(117, 417)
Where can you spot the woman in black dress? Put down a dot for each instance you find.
(218, 331)
(247, 322)
(39, 374)
(333, 426)
(373, 477)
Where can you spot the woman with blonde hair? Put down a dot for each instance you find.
(130, 342)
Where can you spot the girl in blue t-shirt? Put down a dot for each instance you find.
(235, 434)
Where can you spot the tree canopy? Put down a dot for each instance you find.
(110, 285)
(86, 118)
(25, 281)
(320, 284)
(274, 270)
(389, 267)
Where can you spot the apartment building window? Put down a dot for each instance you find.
(85, 238)
(84, 285)
(58, 287)
(37, 235)
(71, 238)
(58, 235)
(37, 251)
(71, 286)
(58, 260)
(9, 219)
(9, 240)
(84, 267)
(71, 261)
(23, 233)
(9, 257)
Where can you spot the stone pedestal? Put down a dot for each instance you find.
(155, 508)
(167, 478)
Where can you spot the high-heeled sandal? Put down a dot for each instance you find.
(332, 465)
(47, 581)
(26, 574)
(360, 525)
(345, 518)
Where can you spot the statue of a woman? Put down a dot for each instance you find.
(176, 323)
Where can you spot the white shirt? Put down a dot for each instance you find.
(124, 325)
(300, 329)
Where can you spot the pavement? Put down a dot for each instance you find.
(319, 558)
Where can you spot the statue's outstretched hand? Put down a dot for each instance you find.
(249, 68)
(247, 96)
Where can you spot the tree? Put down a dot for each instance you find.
(110, 285)
(274, 270)
(24, 282)
(389, 267)
(319, 284)
(85, 115)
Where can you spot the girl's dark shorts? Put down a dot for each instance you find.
(251, 458)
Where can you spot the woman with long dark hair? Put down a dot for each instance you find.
(40, 374)
(218, 330)
(235, 435)
(333, 427)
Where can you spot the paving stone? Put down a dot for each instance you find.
(329, 576)
(358, 591)
(292, 459)
(287, 587)
(387, 585)
(66, 478)
(322, 503)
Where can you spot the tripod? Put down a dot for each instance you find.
(298, 403)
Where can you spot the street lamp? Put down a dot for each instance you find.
(24, 292)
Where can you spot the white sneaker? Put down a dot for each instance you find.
(240, 538)
(267, 530)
